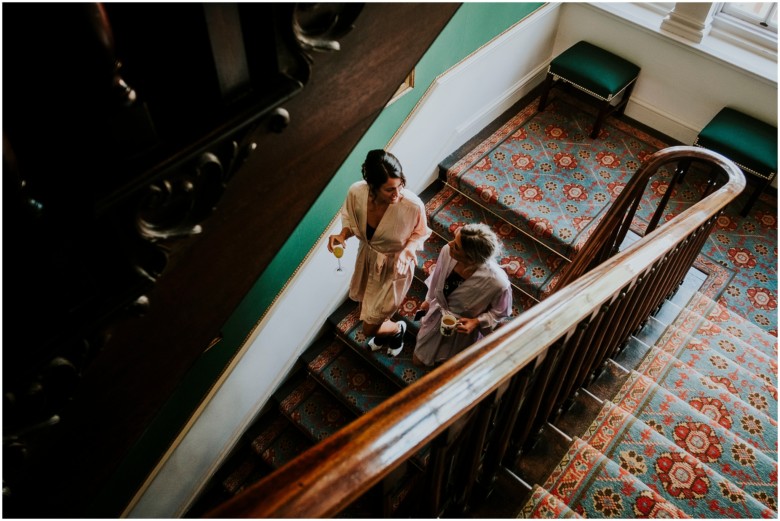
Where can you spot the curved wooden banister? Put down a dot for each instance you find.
(328, 477)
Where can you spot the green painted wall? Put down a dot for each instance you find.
(472, 26)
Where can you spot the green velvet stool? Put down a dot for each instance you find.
(749, 142)
(595, 71)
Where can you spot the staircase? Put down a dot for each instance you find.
(541, 185)
(684, 398)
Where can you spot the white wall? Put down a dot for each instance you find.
(677, 93)
(680, 87)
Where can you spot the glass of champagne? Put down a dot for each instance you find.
(338, 251)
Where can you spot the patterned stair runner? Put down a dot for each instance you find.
(678, 476)
(314, 410)
(617, 493)
(346, 375)
(541, 172)
(722, 325)
(715, 402)
(544, 505)
(708, 440)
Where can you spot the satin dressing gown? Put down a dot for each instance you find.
(376, 283)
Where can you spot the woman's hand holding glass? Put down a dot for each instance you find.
(336, 245)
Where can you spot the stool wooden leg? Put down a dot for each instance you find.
(754, 197)
(605, 109)
(626, 97)
(546, 88)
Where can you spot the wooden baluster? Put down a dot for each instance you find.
(533, 403)
(475, 445)
(590, 328)
(609, 337)
(659, 210)
(590, 349)
(507, 419)
(551, 406)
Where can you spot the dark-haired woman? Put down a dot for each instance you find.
(468, 283)
(390, 223)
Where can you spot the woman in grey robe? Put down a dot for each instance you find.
(468, 283)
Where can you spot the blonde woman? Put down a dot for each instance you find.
(468, 283)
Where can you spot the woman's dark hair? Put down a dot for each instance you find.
(479, 242)
(380, 166)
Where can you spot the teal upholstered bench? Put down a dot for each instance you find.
(595, 71)
(749, 142)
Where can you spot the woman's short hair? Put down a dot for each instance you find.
(479, 242)
(380, 166)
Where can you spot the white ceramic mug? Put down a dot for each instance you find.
(449, 323)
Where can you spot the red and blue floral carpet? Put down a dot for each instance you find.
(693, 430)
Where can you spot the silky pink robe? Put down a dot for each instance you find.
(376, 283)
(485, 295)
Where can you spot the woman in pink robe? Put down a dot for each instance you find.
(468, 283)
(390, 223)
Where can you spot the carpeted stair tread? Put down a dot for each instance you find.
(713, 400)
(724, 373)
(543, 505)
(314, 410)
(612, 490)
(744, 329)
(723, 449)
(280, 442)
(727, 322)
(679, 477)
(348, 376)
(411, 305)
(399, 368)
(248, 471)
(541, 172)
(426, 258)
(274, 441)
(530, 266)
(703, 334)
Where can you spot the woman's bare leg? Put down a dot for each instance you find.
(386, 328)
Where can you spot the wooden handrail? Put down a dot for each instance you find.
(326, 478)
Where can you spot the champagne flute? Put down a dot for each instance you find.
(338, 251)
